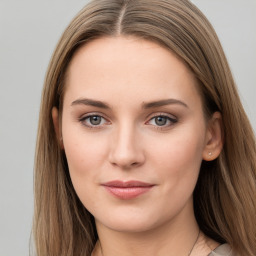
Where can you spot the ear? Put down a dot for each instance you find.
(214, 138)
(56, 124)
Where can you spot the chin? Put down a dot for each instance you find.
(131, 227)
(130, 222)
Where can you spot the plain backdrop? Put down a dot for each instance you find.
(29, 31)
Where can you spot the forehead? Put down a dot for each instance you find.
(128, 67)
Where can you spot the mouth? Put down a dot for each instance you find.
(127, 189)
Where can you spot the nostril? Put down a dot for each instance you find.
(126, 161)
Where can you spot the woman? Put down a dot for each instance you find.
(143, 145)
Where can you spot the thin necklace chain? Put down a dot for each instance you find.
(194, 243)
(188, 254)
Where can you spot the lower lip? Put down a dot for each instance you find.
(127, 192)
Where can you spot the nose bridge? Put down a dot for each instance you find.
(126, 150)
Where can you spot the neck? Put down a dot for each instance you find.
(202, 246)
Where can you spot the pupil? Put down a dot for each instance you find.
(95, 120)
(160, 120)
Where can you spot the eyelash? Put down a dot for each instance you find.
(171, 120)
(91, 126)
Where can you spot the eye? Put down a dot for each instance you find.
(162, 120)
(93, 121)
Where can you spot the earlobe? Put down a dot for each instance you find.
(56, 124)
(214, 138)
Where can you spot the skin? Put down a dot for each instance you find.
(129, 144)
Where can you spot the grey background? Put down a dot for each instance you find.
(29, 31)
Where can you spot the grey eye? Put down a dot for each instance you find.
(161, 120)
(95, 120)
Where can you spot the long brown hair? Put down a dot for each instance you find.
(225, 195)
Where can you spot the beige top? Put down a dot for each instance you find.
(204, 246)
(222, 250)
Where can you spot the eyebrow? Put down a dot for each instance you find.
(165, 102)
(153, 104)
(90, 102)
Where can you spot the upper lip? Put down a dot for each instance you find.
(127, 184)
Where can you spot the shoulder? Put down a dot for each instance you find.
(223, 250)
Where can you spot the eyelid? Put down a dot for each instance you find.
(173, 119)
(88, 114)
(168, 115)
(83, 117)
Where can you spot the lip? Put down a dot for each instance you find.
(127, 189)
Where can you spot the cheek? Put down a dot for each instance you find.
(179, 148)
(187, 151)
(83, 152)
(179, 159)
(177, 164)
(85, 155)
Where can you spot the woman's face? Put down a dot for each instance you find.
(133, 132)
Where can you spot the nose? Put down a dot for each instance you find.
(126, 148)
